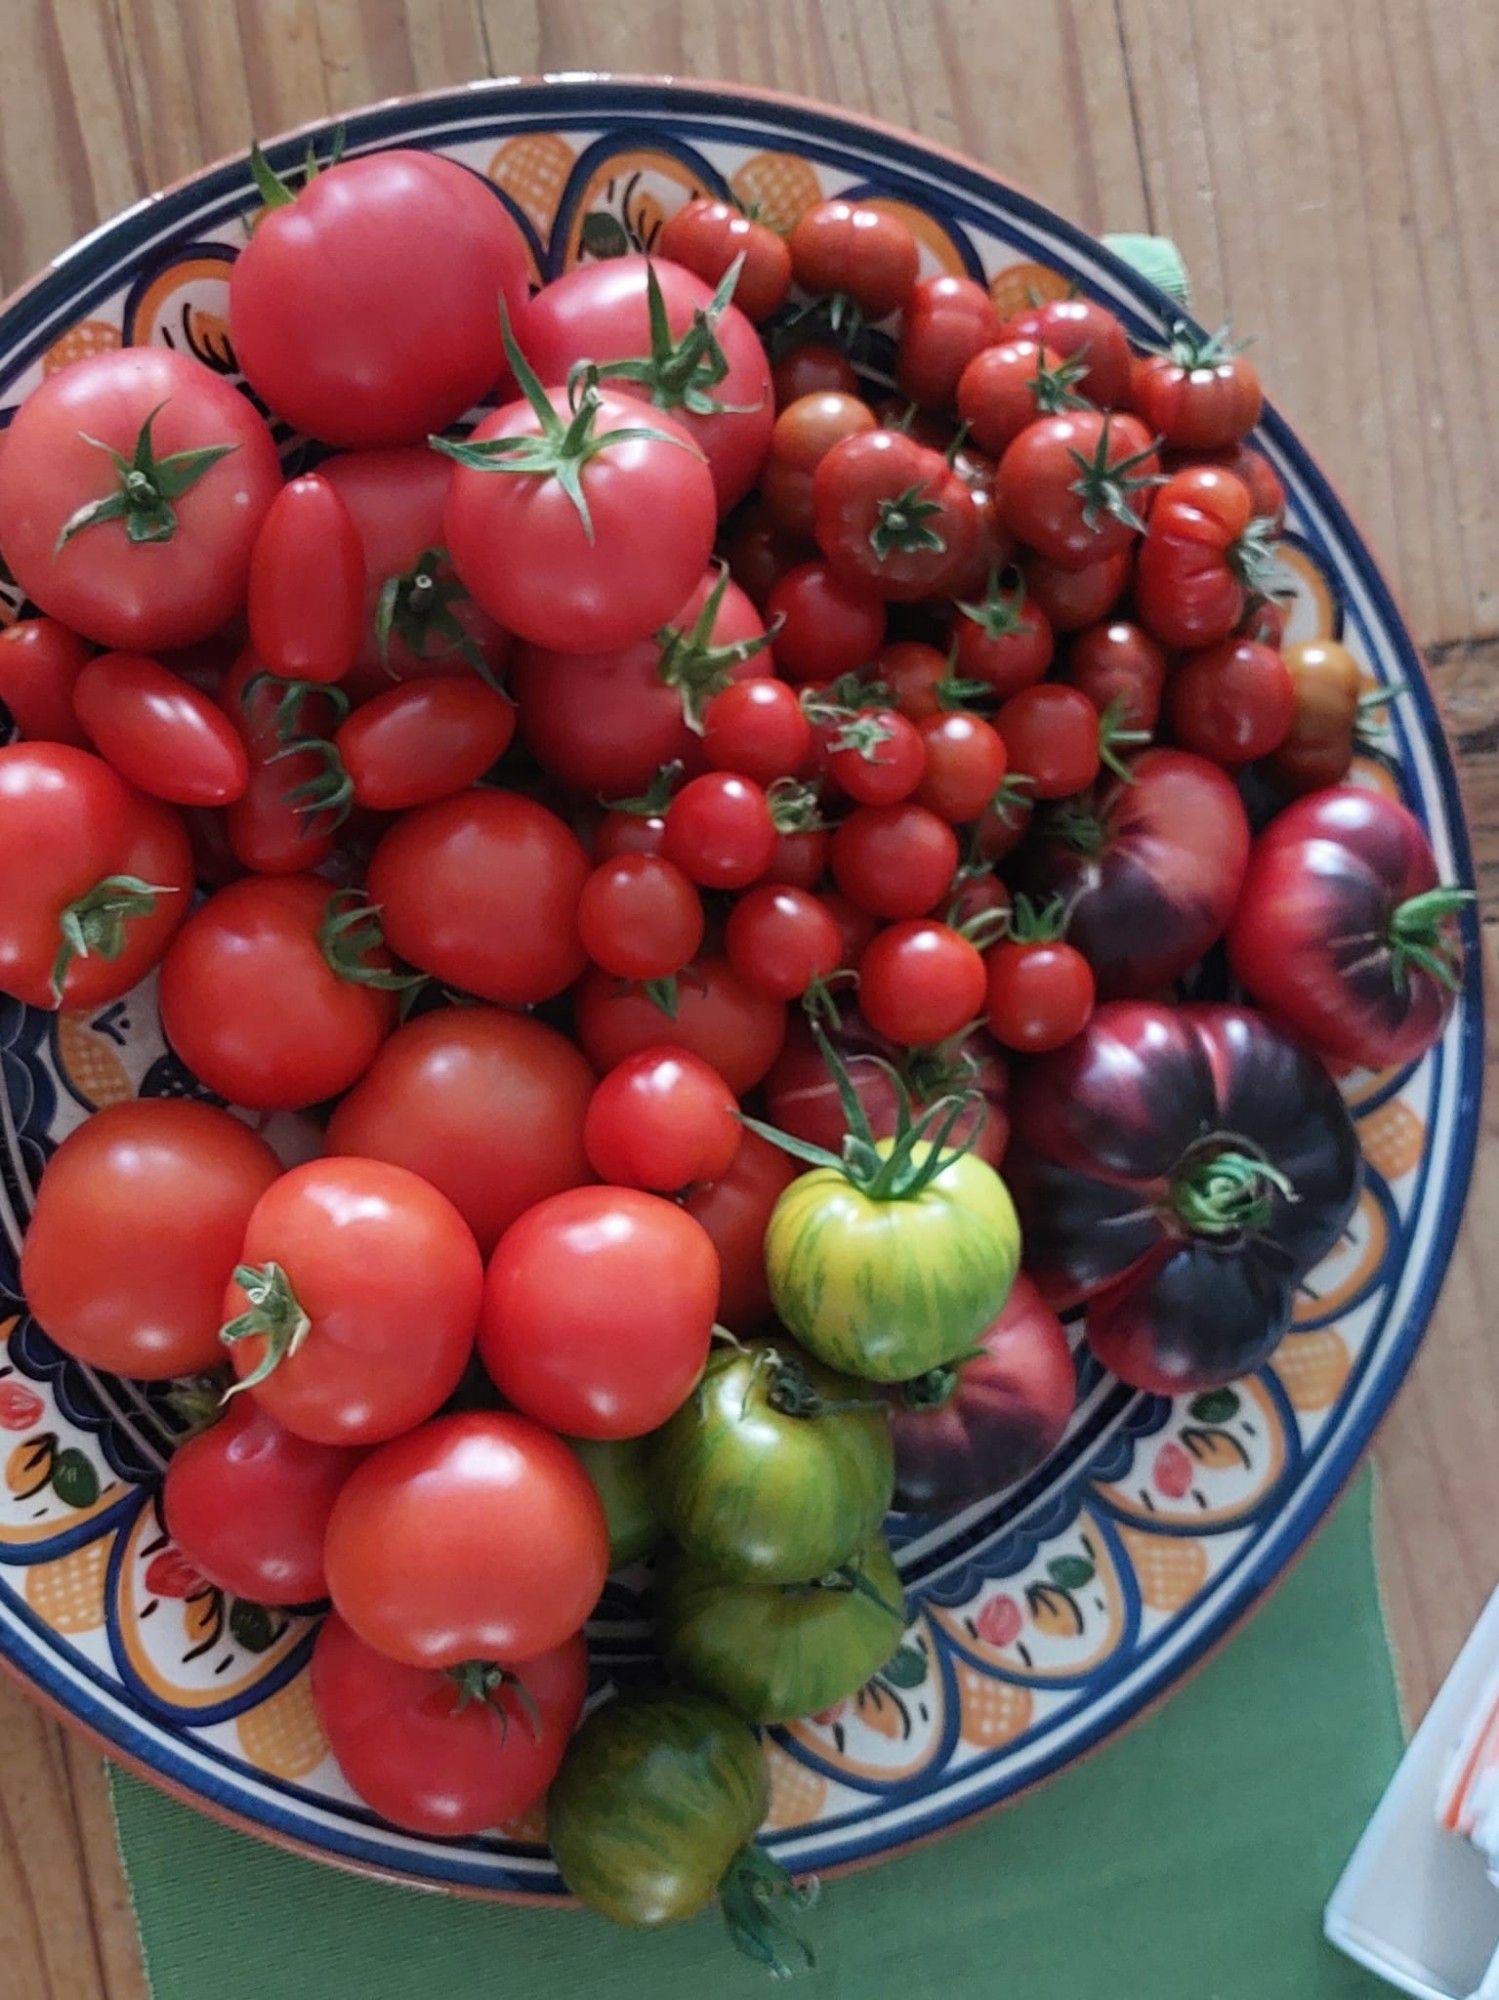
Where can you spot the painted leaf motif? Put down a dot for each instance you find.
(29, 1467)
(905, 1668)
(74, 1478)
(252, 1625)
(1070, 1572)
(1214, 1406)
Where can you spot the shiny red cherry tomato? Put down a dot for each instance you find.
(892, 515)
(1084, 331)
(1051, 735)
(862, 252)
(423, 740)
(736, 1212)
(947, 320)
(876, 757)
(811, 368)
(1007, 386)
(894, 861)
(1233, 702)
(719, 831)
(640, 917)
(965, 765)
(706, 236)
(662, 1120)
(800, 858)
(782, 939)
(1200, 395)
(40, 662)
(1069, 486)
(1072, 598)
(827, 627)
(757, 728)
(1040, 994)
(735, 1026)
(306, 591)
(620, 832)
(159, 732)
(803, 435)
(917, 675)
(1118, 666)
(1002, 639)
(920, 982)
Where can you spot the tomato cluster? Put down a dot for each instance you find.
(641, 830)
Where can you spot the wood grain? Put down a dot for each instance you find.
(1332, 174)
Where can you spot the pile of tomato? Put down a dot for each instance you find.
(810, 746)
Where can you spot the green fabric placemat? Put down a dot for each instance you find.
(1188, 1861)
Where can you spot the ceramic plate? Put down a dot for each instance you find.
(1043, 1619)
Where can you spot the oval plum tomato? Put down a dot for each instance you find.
(965, 765)
(606, 722)
(735, 1026)
(735, 1210)
(295, 798)
(640, 917)
(719, 831)
(1073, 598)
(94, 878)
(1246, 464)
(1119, 667)
(486, 1105)
(163, 560)
(598, 1308)
(158, 732)
(1051, 737)
(947, 320)
(1040, 993)
(1067, 485)
(825, 626)
(804, 433)
(894, 861)
(446, 1752)
(142, 1209)
(706, 237)
(40, 662)
(247, 1503)
(892, 515)
(424, 741)
(783, 940)
(1318, 748)
(584, 491)
(276, 992)
(876, 757)
(351, 1313)
(1003, 640)
(855, 250)
(363, 309)
(1202, 394)
(1203, 551)
(1233, 702)
(1084, 331)
(919, 677)
(662, 1120)
(481, 890)
(811, 368)
(503, 1489)
(757, 728)
(920, 982)
(307, 583)
(1007, 385)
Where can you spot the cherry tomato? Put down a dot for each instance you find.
(1200, 395)
(804, 433)
(159, 732)
(759, 552)
(598, 1308)
(1245, 463)
(976, 891)
(706, 236)
(1006, 820)
(1318, 748)
(809, 369)
(859, 251)
(424, 741)
(40, 662)
(504, 1491)
(1080, 330)
(141, 1211)
(827, 627)
(917, 675)
(894, 861)
(486, 1105)
(640, 917)
(1003, 639)
(247, 1503)
(1068, 485)
(307, 583)
(781, 939)
(1073, 598)
(994, 547)
(1195, 561)
(856, 926)
(757, 728)
(1040, 994)
(876, 757)
(892, 516)
(946, 322)
(620, 832)
(736, 1212)
(1118, 663)
(662, 1119)
(965, 765)
(1007, 386)
(735, 1026)
(284, 821)
(800, 857)
(1233, 702)
(719, 831)
(1051, 736)
(920, 982)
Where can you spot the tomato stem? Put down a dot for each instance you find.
(1224, 1188)
(1419, 936)
(1105, 485)
(758, 1897)
(655, 798)
(349, 932)
(693, 665)
(681, 373)
(147, 486)
(416, 606)
(286, 715)
(997, 612)
(97, 923)
(274, 1315)
(481, 1680)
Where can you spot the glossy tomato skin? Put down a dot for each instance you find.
(947, 321)
(968, 1433)
(707, 236)
(719, 831)
(1234, 702)
(364, 312)
(736, 1212)
(481, 890)
(920, 982)
(1039, 994)
(640, 917)
(485, 1104)
(1203, 407)
(1312, 940)
(996, 393)
(1080, 329)
(1051, 736)
(388, 1274)
(827, 626)
(803, 435)
(506, 1489)
(781, 938)
(145, 595)
(810, 368)
(965, 765)
(158, 732)
(415, 744)
(1117, 662)
(1109, 1134)
(620, 1471)
(872, 532)
(876, 759)
(427, 1758)
(307, 583)
(662, 1120)
(141, 1212)
(757, 728)
(1187, 589)
(1004, 640)
(1327, 683)
(894, 861)
(1073, 598)
(848, 247)
(68, 824)
(1167, 860)
(598, 1305)
(1246, 464)
(40, 661)
(247, 1502)
(1043, 496)
(252, 1005)
(735, 1026)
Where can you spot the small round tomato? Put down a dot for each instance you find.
(1080, 330)
(40, 662)
(947, 320)
(707, 236)
(504, 1490)
(1051, 736)
(757, 728)
(1040, 993)
(876, 757)
(920, 982)
(856, 926)
(1006, 819)
(142, 1210)
(1233, 702)
(856, 250)
(1067, 485)
(307, 583)
(1118, 666)
(892, 516)
(801, 857)
(247, 1502)
(1247, 464)
(640, 917)
(1004, 639)
(719, 831)
(783, 940)
(826, 627)
(965, 765)
(662, 1120)
(1202, 394)
(1318, 748)
(736, 1212)
(734, 1025)
(804, 433)
(811, 368)
(1073, 598)
(918, 676)
(424, 740)
(1202, 550)
(623, 831)
(159, 732)
(977, 891)
(1008, 385)
(894, 861)
(598, 1308)
(994, 546)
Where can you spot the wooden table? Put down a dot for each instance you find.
(1336, 190)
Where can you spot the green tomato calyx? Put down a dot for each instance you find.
(145, 487)
(1419, 936)
(999, 612)
(97, 923)
(483, 1680)
(904, 524)
(759, 1899)
(349, 933)
(276, 190)
(329, 793)
(288, 701)
(681, 374)
(692, 664)
(274, 1315)
(790, 1390)
(656, 797)
(1223, 1187)
(1106, 485)
(416, 606)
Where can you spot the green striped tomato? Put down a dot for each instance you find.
(887, 1289)
(621, 1473)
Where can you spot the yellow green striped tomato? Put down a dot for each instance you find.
(887, 1288)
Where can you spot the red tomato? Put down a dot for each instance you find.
(920, 982)
(446, 1753)
(40, 662)
(344, 1263)
(275, 992)
(486, 1105)
(1051, 736)
(1072, 598)
(363, 311)
(917, 675)
(94, 878)
(307, 583)
(894, 861)
(733, 1025)
(736, 1212)
(141, 1211)
(826, 627)
(417, 743)
(1067, 485)
(869, 256)
(481, 890)
(801, 856)
(976, 891)
(1003, 640)
(1008, 385)
(782, 939)
(892, 516)
(757, 728)
(1040, 994)
(598, 1307)
(709, 373)
(278, 826)
(662, 1119)
(719, 831)
(158, 732)
(946, 322)
(513, 1569)
(1080, 330)
(855, 926)
(707, 236)
(1201, 394)
(203, 471)
(1246, 464)
(809, 369)
(804, 433)
(621, 832)
(640, 917)
(1197, 558)
(1006, 821)
(247, 1503)
(1233, 702)
(1118, 666)
(995, 547)
(965, 765)
(759, 552)
(876, 757)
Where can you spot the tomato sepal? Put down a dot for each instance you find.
(758, 1897)
(95, 924)
(275, 1315)
(147, 487)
